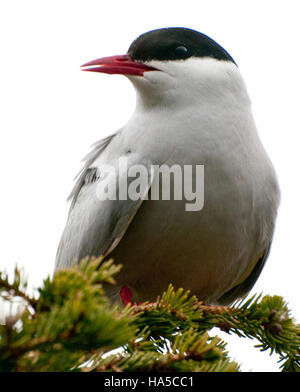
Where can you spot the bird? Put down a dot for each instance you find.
(192, 108)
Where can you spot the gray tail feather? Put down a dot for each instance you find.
(243, 288)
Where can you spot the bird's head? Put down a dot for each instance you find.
(169, 63)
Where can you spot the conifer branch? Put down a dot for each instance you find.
(72, 326)
(16, 289)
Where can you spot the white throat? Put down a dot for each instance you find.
(190, 82)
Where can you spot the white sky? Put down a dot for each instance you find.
(51, 113)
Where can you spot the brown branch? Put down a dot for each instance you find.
(17, 292)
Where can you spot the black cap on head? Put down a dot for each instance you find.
(175, 43)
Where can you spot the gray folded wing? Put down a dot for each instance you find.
(95, 226)
(89, 159)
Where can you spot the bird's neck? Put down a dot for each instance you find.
(215, 84)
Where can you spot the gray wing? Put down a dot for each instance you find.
(243, 288)
(89, 159)
(95, 226)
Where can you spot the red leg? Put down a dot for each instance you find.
(126, 295)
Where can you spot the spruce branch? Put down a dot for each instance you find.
(189, 352)
(16, 289)
(266, 319)
(70, 325)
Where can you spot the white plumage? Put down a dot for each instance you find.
(195, 111)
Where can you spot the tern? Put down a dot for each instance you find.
(192, 108)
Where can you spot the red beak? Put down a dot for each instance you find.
(122, 65)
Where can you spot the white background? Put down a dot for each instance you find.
(51, 113)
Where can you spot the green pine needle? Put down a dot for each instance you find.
(70, 325)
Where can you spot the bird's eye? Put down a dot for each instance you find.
(181, 52)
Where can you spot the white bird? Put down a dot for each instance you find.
(192, 108)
